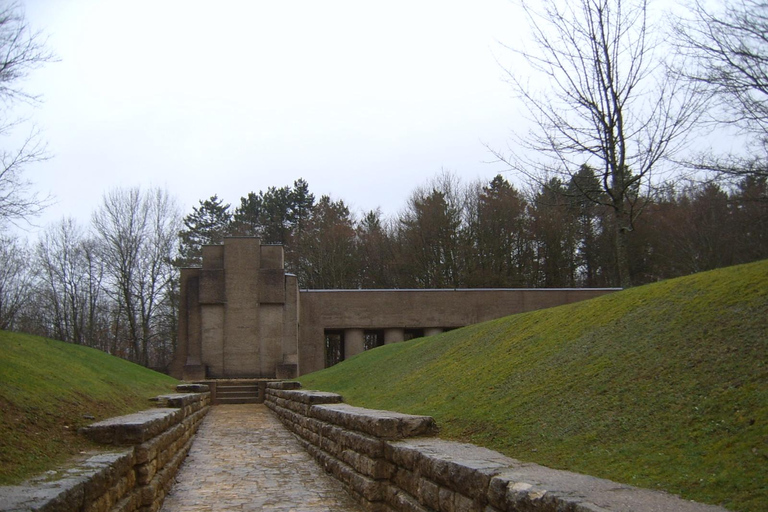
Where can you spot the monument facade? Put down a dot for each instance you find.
(242, 316)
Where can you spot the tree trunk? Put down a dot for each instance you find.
(623, 228)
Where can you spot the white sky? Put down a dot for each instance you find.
(365, 100)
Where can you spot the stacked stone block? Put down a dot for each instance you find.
(349, 442)
(393, 462)
(136, 476)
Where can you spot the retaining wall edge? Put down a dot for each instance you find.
(393, 462)
(135, 475)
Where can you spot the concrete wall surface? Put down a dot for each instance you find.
(392, 462)
(393, 310)
(242, 316)
(149, 447)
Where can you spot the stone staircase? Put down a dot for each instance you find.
(240, 391)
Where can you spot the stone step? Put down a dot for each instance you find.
(237, 393)
(237, 400)
(249, 389)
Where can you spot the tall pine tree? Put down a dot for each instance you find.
(207, 224)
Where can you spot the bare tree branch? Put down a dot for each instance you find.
(21, 52)
(15, 280)
(726, 52)
(607, 103)
(137, 232)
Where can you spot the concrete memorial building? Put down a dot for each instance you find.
(242, 316)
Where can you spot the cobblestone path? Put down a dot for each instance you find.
(244, 459)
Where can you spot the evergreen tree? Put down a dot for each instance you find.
(499, 237)
(300, 205)
(430, 232)
(594, 258)
(553, 228)
(375, 252)
(329, 257)
(274, 215)
(246, 220)
(207, 224)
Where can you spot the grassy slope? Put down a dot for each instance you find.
(662, 386)
(46, 389)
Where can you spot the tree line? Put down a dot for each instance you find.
(110, 285)
(626, 88)
(113, 284)
(491, 235)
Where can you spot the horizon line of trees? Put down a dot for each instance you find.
(110, 285)
(491, 235)
(113, 284)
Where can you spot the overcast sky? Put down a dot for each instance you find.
(365, 100)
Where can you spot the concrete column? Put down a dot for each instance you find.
(354, 342)
(189, 315)
(270, 338)
(289, 367)
(432, 331)
(212, 334)
(243, 352)
(189, 335)
(393, 335)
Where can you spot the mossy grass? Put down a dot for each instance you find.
(663, 386)
(49, 389)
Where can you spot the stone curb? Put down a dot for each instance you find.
(133, 428)
(381, 424)
(286, 384)
(307, 397)
(192, 388)
(66, 490)
(177, 400)
(136, 478)
(392, 468)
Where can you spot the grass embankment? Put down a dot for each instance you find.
(662, 386)
(48, 389)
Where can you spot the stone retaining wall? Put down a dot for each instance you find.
(135, 476)
(393, 462)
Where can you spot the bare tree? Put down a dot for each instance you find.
(15, 280)
(21, 51)
(70, 276)
(727, 55)
(605, 100)
(138, 238)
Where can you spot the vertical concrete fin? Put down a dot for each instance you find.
(242, 346)
(189, 324)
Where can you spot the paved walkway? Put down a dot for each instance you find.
(244, 459)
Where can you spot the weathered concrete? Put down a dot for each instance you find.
(397, 311)
(354, 342)
(244, 459)
(242, 316)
